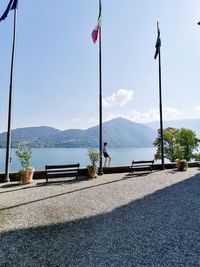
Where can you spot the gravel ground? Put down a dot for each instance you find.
(114, 220)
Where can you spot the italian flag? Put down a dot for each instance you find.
(96, 30)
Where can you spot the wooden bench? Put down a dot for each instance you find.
(62, 171)
(141, 165)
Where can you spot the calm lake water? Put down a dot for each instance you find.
(43, 156)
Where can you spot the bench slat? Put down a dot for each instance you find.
(142, 161)
(141, 167)
(60, 170)
(62, 166)
(61, 175)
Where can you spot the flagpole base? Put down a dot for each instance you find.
(100, 171)
(6, 179)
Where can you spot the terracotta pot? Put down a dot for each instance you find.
(178, 163)
(27, 176)
(181, 165)
(91, 172)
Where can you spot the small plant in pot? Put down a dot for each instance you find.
(24, 154)
(181, 164)
(94, 156)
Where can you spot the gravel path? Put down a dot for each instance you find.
(114, 220)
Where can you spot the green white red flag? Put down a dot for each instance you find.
(97, 28)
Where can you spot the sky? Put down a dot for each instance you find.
(56, 75)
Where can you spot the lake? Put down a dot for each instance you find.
(43, 156)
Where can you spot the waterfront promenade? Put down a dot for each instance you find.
(114, 220)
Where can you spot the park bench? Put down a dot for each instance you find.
(62, 171)
(141, 165)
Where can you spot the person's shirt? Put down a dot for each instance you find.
(105, 149)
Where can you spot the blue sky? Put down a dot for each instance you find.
(56, 64)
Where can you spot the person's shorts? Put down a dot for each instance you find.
(106, 155)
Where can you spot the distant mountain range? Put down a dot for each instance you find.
(118, 132)
(193, 124)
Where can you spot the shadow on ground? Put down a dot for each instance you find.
(161, 229)
(52, 182)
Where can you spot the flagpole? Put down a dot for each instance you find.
(100, 100)
(8, 143)
(160, 105)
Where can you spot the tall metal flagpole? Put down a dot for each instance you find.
(161, 116)
(100, 100)
(8, 143)
(158, 52)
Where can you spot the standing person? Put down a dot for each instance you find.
(106, 155)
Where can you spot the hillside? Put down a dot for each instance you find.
(35, 136)
(118, 132)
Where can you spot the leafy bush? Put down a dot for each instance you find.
(178, 143)
(24, 154)
(94, 157)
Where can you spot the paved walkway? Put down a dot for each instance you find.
(114, 220)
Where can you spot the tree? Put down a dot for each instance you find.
(169, 144)
(188, 141)
(178, 143)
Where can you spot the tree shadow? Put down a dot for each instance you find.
(160, 229)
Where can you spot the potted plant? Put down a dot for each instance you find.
(177, 163)
(181, 164)
(24, 154)
(94, 156)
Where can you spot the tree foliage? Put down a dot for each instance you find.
(24, 154)
(94, 156)
(178, 144)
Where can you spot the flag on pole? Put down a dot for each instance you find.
(158, 42)
(95, 31)
(12, 5)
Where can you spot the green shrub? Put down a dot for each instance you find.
(94, 157)
(24, 154)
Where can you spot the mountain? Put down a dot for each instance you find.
(118, 132)
(193, 124)
(121, 132)
(38, 136)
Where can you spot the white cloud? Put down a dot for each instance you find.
(150, 115)
(197, 108)
(170, 113)
(120, 98)
(76, 119)
(92, 120)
